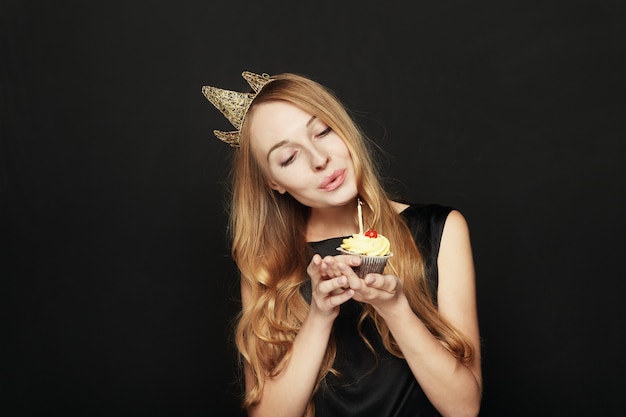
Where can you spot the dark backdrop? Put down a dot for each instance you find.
(117, 289)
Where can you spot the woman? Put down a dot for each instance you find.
(314, 338)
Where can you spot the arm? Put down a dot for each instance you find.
(452, 387)
(288, 393)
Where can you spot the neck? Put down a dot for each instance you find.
(331, 222)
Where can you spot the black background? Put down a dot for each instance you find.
(117, 289)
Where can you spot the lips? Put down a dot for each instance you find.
(334, 180)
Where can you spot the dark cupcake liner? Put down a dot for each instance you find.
(369, 264)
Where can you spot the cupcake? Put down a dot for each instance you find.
(371, 247)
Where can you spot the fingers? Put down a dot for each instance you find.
(330, 286)
(314, 269)
(330, 293)
(335, 282)
(387, 283)
(342, 297)
(333, 286)
(333, 266)
(314, 265)
(378, 290)
(340, 292)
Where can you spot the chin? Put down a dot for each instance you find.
(337, 198)
(343, 200)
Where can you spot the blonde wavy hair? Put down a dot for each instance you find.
(269, 247)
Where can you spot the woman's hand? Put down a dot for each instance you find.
(329, 289)
(375, 289)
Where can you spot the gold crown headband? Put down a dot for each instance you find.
(234, 105)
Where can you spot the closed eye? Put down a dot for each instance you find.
(323, 133)
(289, 160)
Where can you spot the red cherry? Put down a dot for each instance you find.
(371, 233)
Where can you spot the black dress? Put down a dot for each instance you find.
(383, 386)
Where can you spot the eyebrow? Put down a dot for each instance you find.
(284, 142)
(273, 148)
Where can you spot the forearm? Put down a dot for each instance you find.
(288, 393)
(451, 386)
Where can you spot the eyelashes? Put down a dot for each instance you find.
(324, 132)
(292, 156)
(289, 160)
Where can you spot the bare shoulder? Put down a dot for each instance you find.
(456, 224)
(455, 260)
(398, 207)
(455, 241)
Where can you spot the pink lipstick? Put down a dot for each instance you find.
(334, 180)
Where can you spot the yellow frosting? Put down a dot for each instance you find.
(365, 245)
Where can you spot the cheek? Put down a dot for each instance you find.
(340, 149)
(284, 179)
(343, 153)
(294, 181)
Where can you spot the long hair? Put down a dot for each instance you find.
(267, 231)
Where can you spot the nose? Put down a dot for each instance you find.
(320, 161)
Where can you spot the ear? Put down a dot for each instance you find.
(276, 187)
